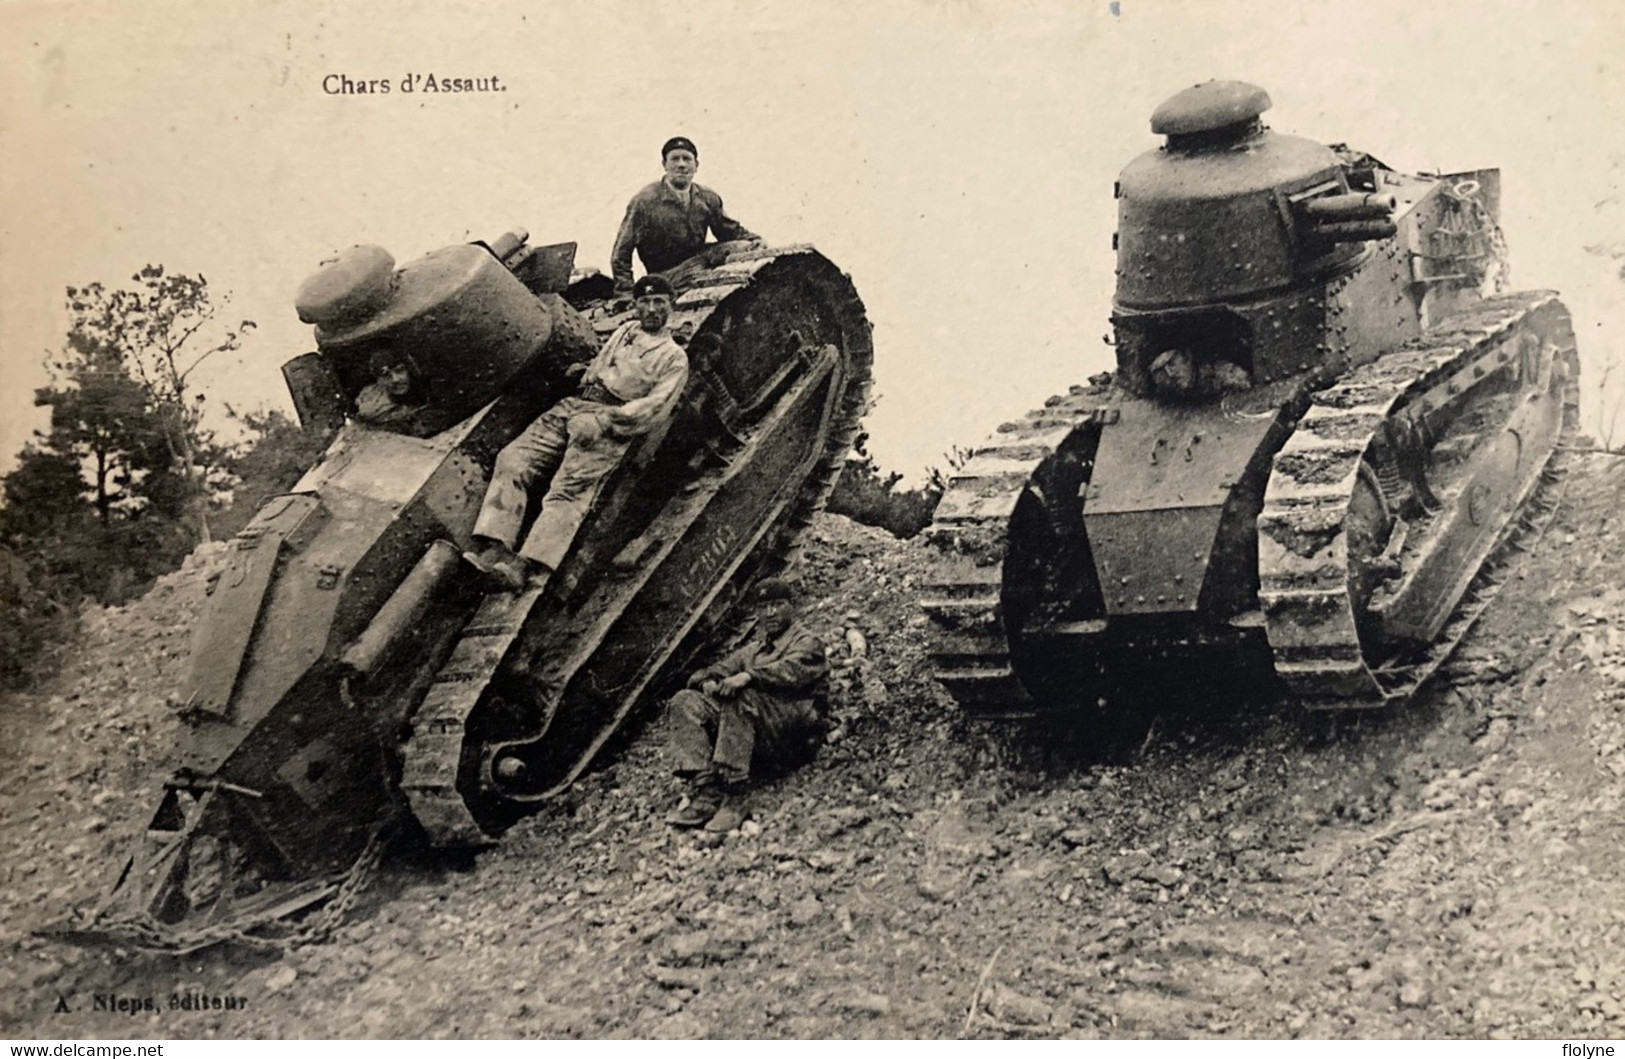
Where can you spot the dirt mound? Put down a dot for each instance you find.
(1447, 870)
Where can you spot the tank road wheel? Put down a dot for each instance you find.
(1389, 508)
(1370, 527)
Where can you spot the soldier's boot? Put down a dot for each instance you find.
(731, 813)
(703, 800)
(506, 569)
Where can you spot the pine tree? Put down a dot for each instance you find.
(117, 490)
(159, 332)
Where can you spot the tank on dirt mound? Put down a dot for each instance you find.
(1327, 424)
(352, 675)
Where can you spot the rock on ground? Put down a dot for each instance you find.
(1449, 870)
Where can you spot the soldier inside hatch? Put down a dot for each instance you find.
(1177, 374)
(758, 704)
(667, 221)
(396, 394)
(633, 381)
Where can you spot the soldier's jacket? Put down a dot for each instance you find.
(789, 666)
(666, 230)
(645, 370)
(374, 405)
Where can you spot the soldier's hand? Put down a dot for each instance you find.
(732, 685)
(698, 679)
(709, 687)
(584, 428)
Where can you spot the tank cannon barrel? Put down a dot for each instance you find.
(1352, 217)
(1355, 231)
(1354, 206)
(509, 243)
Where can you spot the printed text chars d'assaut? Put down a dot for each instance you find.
(427, 83)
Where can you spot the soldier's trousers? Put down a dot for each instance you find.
(710, 734)
(546, 452)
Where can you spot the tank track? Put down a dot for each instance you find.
(969, 650)
(433, 753)
(1309, 609)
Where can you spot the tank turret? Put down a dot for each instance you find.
(460, 316)
(1228, 210)
(1229, 236)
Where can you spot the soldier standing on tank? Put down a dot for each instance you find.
(632, 382)
(759, 703)
(667, 221)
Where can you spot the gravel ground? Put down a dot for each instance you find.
(1448, 870)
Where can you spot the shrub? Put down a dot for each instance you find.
(33, 620)
(864, 494)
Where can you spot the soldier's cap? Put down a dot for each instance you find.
(773, 590)
(678, 143)
(652, 285)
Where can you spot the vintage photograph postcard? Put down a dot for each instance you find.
(919, 519)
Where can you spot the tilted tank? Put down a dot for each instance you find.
(352, 676)
(1326, 419)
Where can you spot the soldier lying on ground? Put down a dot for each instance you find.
(634, 381)
(666, 222)
(758, 704)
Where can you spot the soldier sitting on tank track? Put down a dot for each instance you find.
(666, 222)
(758, 704)
(634, 381)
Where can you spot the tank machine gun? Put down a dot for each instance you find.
(351, 676)
(1326, 419)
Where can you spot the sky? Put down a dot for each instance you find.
(956, 157)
